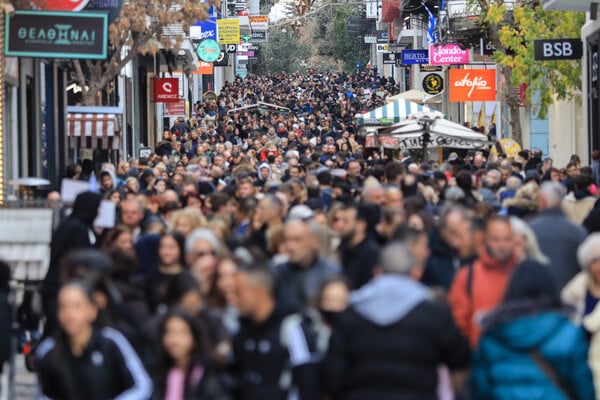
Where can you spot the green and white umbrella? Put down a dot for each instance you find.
(391, 113)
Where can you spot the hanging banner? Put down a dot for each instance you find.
(166, 90)
(472, 85)
(228, 31)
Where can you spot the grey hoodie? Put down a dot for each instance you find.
(388, 298)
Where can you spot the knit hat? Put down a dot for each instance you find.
(589, 250)
(532, 280)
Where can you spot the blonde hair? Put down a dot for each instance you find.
(531, 244)
(191, 214)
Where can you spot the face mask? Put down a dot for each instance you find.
(330, 317)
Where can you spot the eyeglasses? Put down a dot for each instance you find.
(201, 254)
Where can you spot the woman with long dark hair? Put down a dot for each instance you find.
(171, 256)
(84, 362)
(186, 370)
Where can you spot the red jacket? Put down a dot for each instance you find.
(488, 284)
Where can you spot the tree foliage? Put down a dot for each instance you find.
(346, 47)
(282, 53)
(512, 28)
(546, 78)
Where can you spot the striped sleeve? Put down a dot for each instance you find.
(142, 385)
(297, 346)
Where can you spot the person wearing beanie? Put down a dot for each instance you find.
(583, 293)
(529, 348)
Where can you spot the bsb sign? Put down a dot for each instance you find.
(558, 49)
(472, 85)
(166, 90)
(56, 34)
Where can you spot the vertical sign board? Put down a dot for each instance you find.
(228, 31)
(55, 34)
(166, 90)
(472, 85)
(558, 49)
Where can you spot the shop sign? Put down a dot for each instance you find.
(448, 55)
(558, 49)
(175, 109)
(60, 5)
(57, 34)
(228, 31)
(433, 84)
(113, 7)
(472, 85)
(166, 90)
(202, 30)
(209, 50)
(410, 57)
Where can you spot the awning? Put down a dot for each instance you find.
(390, 10)
(94, 131)
(391, 113)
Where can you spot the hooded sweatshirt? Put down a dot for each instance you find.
(74, 233)
(389, 343)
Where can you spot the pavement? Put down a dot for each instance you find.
(25, 382)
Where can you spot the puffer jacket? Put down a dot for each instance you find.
(504, 368)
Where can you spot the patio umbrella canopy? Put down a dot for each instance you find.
(428, 130)
(392, 113)
(415, 96)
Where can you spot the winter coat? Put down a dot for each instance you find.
(577, 206)
(298, 287)
(389, 342)
(483, 291)
(74, 233)
(359, 261)
(274, 359)
(503, 365)
(559, 240)
(441, 265)
(574, 294)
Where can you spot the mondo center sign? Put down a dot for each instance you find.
(472, 85)
(56, 34)
(448, 55)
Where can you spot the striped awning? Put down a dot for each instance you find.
(94, 131)
(391, 113)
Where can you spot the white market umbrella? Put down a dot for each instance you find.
(429, 130)
(412, 95)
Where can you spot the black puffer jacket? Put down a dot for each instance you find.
(389, 343)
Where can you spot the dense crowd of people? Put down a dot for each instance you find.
(260, 254)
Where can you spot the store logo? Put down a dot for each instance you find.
(472, 85)
(166, 90)
(448, 55)
(477, 82)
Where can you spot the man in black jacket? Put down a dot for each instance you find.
(75, 233)
(358, 251)
(273, 350)
(390, 341)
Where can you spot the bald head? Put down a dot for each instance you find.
(393, 197)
